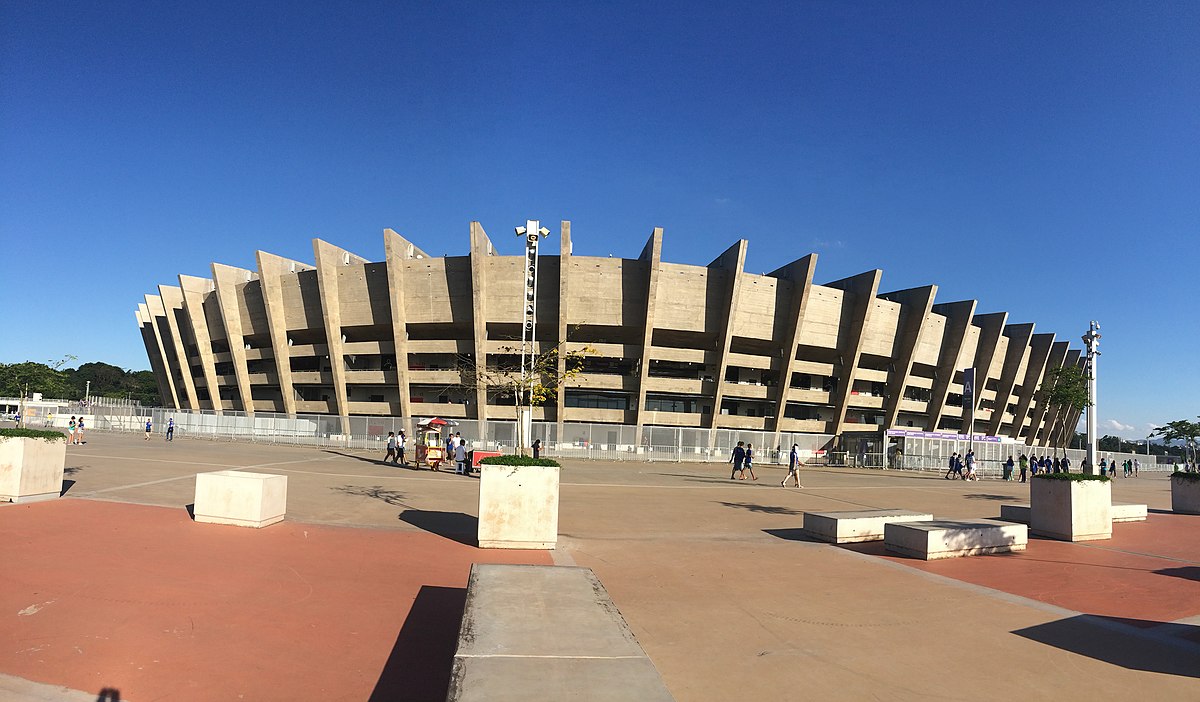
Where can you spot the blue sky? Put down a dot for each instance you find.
(1041, 158)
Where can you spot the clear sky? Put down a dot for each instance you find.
(1042, 158)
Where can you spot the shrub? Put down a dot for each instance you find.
(43, 434)
(518, 461)
(1071, 476)
(1185, 476)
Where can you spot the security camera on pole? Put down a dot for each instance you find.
(1092, 341)
(532, 232)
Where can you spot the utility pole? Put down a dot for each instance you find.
(1092, 341)
(532, 233)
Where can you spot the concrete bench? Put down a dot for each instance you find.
(936, 539)
(1120, 511)
(240, 498)
(856, 525)
(1127, 512)
(533, 633)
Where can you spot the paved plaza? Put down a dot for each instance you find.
(115, 593)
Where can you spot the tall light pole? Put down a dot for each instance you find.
(532, 233)
(1092, 341)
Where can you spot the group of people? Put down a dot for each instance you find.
(456, 451)
(743, 462)
(75, 428)
(170, 428)
(1129, 467)
(961, 467)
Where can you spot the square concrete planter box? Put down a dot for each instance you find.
(1070, 510)
(31, 469)
(1185, 494)
(518, 506)
(240, 498)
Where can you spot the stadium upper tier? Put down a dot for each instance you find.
(675, 345)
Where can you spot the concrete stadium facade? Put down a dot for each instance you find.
(710, 347)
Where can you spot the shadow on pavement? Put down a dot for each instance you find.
(109, 694)
(374, 461)
(419, 665)
(377, 492)
(455, 526)
(1185, 572)
(191, 509)
(1134, 644)
(986, 496)
(72, 470)
(762, 509)
(792, 535)
(67, 485)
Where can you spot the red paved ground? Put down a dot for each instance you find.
(1148, 571)
(140, 599)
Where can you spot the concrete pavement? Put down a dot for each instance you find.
(712, 575)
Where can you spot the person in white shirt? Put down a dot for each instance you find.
(793, 467)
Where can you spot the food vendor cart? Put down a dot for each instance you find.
(431, 450)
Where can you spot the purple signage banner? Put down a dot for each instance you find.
(918, 434)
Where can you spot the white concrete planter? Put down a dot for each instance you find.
(240, 498)
(1070, 510)
(1185, 495)
(31, 469)
(518, 506)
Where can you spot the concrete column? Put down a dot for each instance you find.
(991, 327)
(958, 320)
(158, 323)
(330, 259)
(194, 290)
(481, 248)
(172, 300)
(564, 296)
(227, 279)
(1058, 353)
(154, 352)
(270, 269)
(862, 288)
(652, 254)
(1039, 353)
(398, 252)
(733, 261)
(799, 274)
(1019, 336)
(916, 304)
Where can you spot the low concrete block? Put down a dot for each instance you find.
(931, 540)
(1070, 510)
(1185, 494)
(1018, 512)
(856, 525)
(547, 633)
(240, 498)
(518, 506)
(31, 470)
(1127, 512)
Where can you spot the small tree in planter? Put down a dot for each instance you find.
(1071, 506)
(31, 464)
(1185, 492)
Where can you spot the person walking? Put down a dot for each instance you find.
(971, 466)
(79, 431)
(1008, 469)
(391, 448)
(749, 463)
(1023, 462)
(171, 429)
(1103, 466)
(149, 427)
(400, 442)
(1066, 464)
(71, 430)
(1056, 464)
(1137, 464)
(951, 467)
(537, 448)
(737, 459)
(793, 467)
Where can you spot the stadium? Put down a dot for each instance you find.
(693, 356)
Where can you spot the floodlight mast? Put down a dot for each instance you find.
(1092, 341)
(532, 232)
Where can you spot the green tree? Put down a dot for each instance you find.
(1068, 387)
(1181, 430)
